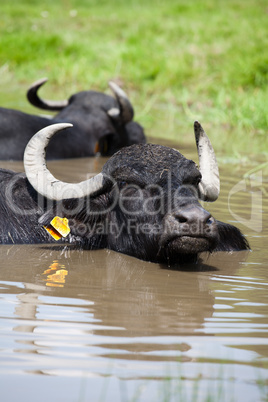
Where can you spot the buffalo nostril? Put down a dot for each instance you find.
(181, 218)
(194, 216)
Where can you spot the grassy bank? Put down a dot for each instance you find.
(178, 60)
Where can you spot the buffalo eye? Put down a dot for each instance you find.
(122, 184)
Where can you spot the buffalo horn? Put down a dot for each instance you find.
(127, 112)
(209, 187)
(40, 177)
(34, 99)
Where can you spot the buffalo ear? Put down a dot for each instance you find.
(230, 238)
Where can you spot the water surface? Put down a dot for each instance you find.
(102, 326)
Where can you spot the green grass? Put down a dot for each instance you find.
(178, 60)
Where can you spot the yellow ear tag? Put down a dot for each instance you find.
(97, 148)
(58, 227)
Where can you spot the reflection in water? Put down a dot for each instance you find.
(110, 317)
(56, 274)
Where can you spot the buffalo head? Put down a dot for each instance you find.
(144, 202)
(107, 121)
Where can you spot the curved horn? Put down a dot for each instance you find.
(34, 99)
(127, 111)
(209, 187)
(40, 177)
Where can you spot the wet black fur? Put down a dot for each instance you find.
(129, 173)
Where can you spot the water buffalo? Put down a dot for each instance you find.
(100, 123)
(144, 203)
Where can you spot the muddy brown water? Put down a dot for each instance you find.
(102, 326)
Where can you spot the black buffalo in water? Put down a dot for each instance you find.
(100, 123)
(144, 203)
